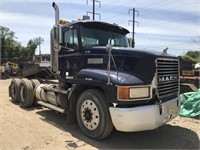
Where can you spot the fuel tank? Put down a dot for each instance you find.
(57, 99)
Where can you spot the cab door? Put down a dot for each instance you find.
(70, 57)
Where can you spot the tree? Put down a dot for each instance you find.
(11, 48)
(31, 47)
(24, 53)
(39, 41)
(7, 41)
(33, 44)
(193, 56)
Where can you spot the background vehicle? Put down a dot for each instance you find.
(189, 77)
(102, 82)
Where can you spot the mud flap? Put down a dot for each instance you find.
(71, 109)
(70, 117)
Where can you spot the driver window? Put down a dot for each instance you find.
(111, 41)
(71, 39)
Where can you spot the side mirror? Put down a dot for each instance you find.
(58, 34)
(130, 42)
(67, 36)
(57, 37)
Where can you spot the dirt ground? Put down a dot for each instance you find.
(41, 128)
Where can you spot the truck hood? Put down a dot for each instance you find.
(135, 62)
(127, 51)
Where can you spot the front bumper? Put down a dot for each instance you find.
(144, 117)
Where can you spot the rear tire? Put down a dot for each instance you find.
(26, 93)
(35, 83)
(14, 90)
(93, 114)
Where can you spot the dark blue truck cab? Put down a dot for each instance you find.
(106, 84)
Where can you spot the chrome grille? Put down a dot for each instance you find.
(167, 71)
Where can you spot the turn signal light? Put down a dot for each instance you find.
(123, 93)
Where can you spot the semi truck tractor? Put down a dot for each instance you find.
(102, 82)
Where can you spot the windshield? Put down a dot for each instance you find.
(94, 34)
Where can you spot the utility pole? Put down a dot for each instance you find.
(133, 21)
(93, 12)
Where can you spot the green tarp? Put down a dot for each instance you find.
(190, 104)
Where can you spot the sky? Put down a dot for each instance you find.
(160, 23)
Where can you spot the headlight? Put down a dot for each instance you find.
(140, 92)
(133, 93)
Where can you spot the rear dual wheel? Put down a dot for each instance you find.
(14, 90)
(21, 90)
(26, 97)
(35, 83)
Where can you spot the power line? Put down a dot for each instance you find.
(168, 45)
(117, 5)
(148, 35)
(156, 4)
(181, 5)
(107, 8)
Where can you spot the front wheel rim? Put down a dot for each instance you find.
(90, 114)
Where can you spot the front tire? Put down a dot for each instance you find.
(93, 114)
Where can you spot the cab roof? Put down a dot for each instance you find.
(82, 22)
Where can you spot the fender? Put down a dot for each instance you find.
(99, 78)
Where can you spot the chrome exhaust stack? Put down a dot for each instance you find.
(55, 40)
(57, 13)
